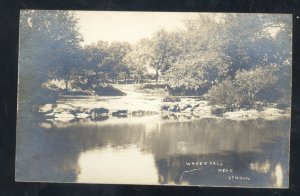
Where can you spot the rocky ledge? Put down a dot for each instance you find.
(68, 112)
(188, 108)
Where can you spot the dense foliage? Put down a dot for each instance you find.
(242, 91)
(49, 49)
(237, 59)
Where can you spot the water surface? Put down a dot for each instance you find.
(152, 150)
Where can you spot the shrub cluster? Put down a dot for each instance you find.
(245, 90)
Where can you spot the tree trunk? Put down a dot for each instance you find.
(97, 76)
(156, 75)
(251, 96)
(66, 85)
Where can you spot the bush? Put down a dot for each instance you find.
(248, 89)
(180, 91)
(158, 89)
(269, 94)
(259, 106)
(108, 91)
(218, 111)
(171, 99)
(256, 84)
(225, 94)
(284, 102)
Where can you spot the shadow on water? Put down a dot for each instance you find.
(249, 169)
(156, 152)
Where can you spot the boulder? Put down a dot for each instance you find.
(174, 108)
(188, 106)
(184, 106)
(188, 110)
(138, 113)
(64, 116)
(82, 115)
(46, 108)
(181, 106)
(100, 110)
(165, 107)
(120, 113)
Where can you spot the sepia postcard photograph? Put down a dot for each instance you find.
(154, 98)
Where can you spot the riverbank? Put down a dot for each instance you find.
(187, 109)
(138, 104)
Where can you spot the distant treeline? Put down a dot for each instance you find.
(236, 59)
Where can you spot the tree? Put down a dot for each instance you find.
(201, 60)
(251, 82)
(257, 39)
(68, 67)
(49, 44)
(198, 70)
(225, 94)
(116, 66)
(162, 48)
(96, 61)
(261, 39)
(242, 91)
(137, 60)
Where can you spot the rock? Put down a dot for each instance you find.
(138, 113)
(81, 109)
(174, 108)
(150, 112)
(188, 106)
(64, 117)
(242, 115)
(181, 106)
(165, 107)
(100, 110)
(120, 113)
(46, 108)
(274, 113)
(203, 103)
(202, 110)
(195, 107)
(187, 110)
(50, 114)
(184, 107)
(82, 115)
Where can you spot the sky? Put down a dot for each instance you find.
(132, 26)
(127, 26)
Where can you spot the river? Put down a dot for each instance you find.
(156, 150)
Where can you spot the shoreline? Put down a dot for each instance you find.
(102, 108)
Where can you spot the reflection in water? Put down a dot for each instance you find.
(278, 175)
(150, 150)
(117, 165)
(260, 167)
